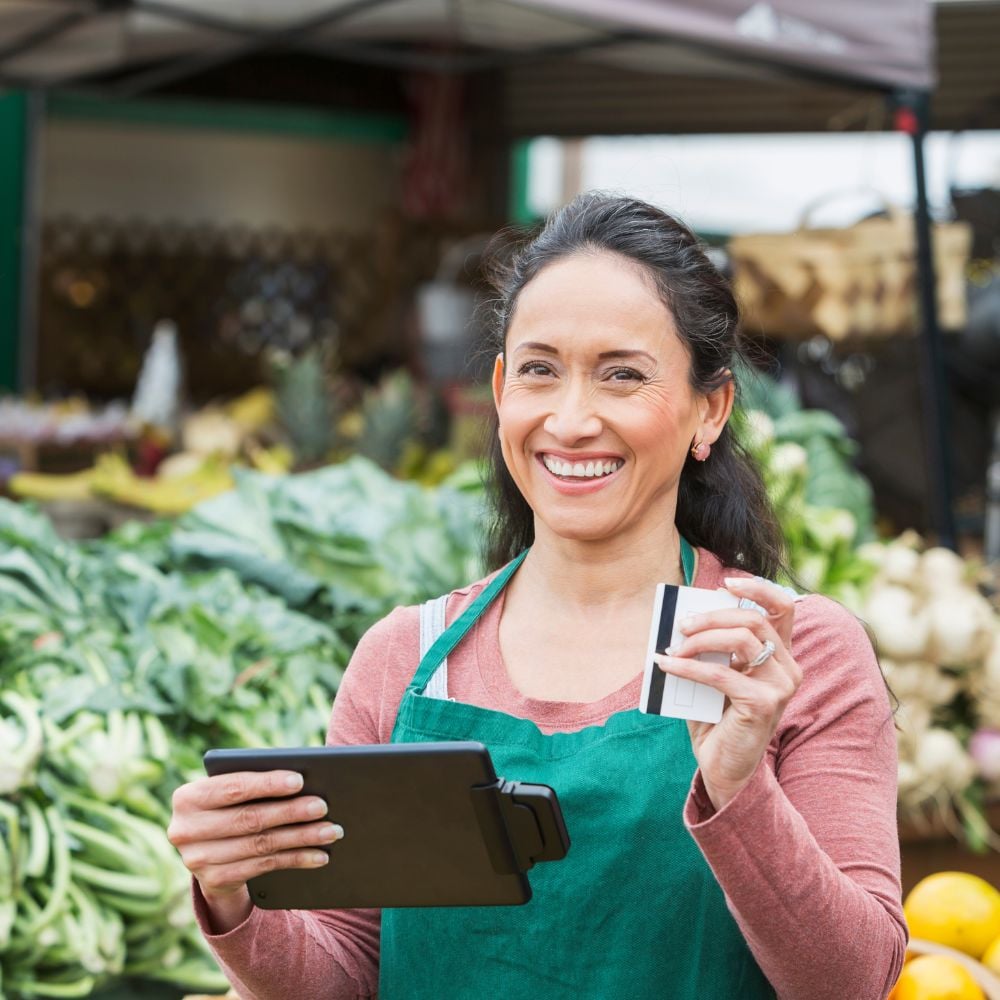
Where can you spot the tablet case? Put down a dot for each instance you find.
(425, 824)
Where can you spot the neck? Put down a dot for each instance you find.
(581, 576)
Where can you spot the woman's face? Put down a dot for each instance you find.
(595, 408)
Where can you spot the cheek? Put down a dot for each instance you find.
(510, 435)
(656, 421)
(516, 417)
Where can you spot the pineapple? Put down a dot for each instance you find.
(391, 420)
(305, 405)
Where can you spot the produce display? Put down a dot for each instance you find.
(298, 425)
(211, 441)
(823, 504)
(112, 477)
(65, 422)
(123, 660)
(954, 953)
(937, 635)
(939, 644)
(936, 977)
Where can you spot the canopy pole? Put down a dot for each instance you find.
(31, 240)
(13, 142)
(912, 116)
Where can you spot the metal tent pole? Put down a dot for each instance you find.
(31, 240)
(13, 114)
(912, 116)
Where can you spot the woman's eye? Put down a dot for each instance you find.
(625, 375)
(534, 368)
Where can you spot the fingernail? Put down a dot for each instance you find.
(735, 581)
(293, 782)
(330, 832)
(339, 830)
(318, 857)
(317, 808)
(669, 651)
(687, 623)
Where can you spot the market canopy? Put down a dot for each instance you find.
(67, 42)
(569, 67)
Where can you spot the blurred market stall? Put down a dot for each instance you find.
(295, 198)
(467, 80)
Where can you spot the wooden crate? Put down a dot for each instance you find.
(934, 849)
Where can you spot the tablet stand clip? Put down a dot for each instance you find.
(535, 832)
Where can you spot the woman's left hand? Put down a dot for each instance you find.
(728, 752)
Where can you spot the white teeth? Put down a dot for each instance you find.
(580, 470)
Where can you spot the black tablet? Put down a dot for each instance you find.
(425, 824)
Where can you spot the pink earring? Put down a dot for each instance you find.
(700, 451)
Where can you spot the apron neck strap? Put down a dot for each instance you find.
(688, 561)
(453, 635)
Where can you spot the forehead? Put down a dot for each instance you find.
(593, 300)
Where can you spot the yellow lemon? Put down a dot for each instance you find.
(956, 909)
(991, 957)
(936, 977)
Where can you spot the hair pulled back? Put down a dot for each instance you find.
(721, 504)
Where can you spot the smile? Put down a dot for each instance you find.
(581, 470)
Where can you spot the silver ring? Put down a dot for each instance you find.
(766, 652)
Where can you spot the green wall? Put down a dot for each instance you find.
(518, 209)
(13, 124)
(216, 116)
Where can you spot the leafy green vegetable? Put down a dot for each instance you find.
(123, 660)
(823, 503)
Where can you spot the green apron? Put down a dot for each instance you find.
(633, 910)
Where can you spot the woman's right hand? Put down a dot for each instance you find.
(226, 835)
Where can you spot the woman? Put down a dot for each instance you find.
(752, 858)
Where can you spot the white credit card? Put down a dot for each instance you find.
(677, 697)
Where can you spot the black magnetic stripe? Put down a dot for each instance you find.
(659, 678)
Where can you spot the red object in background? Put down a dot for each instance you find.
(151, 449)
(905, 120)
(435, 169)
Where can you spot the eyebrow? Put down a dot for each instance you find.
(534, 345)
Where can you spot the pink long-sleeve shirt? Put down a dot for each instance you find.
(806, 853)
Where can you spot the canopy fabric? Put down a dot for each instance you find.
(887, 44)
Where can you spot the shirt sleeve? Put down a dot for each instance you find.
(322, 954)
(807, 852)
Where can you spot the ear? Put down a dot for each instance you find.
(498, 374)
(715, 410)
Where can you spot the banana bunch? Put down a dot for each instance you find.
(90, 887)
(112, 477)
(254, 410)
(47, 487)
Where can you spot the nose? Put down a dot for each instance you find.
(574, 414)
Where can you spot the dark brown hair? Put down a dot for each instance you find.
(721, 504)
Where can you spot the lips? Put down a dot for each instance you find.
(590, 468)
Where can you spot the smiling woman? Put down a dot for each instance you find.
(604, 273)
(570, 400)
(755, 857)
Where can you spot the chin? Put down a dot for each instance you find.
(578, 532)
